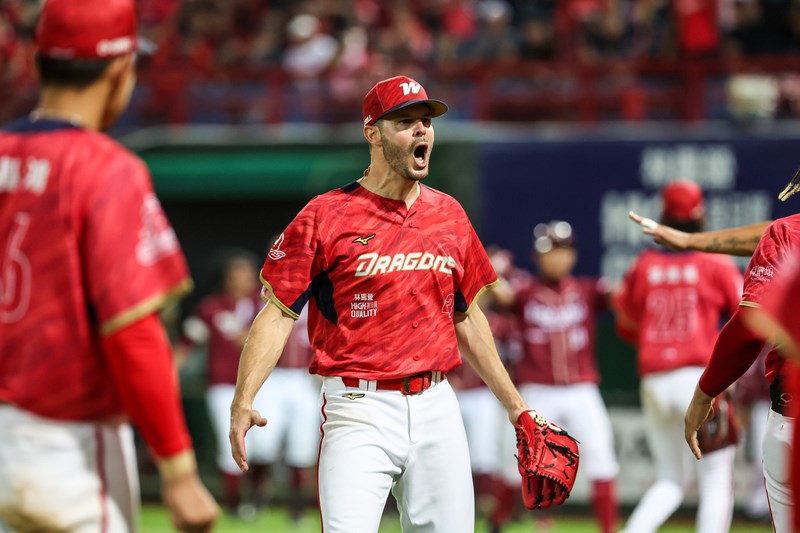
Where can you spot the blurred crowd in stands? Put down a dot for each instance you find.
(345, 45)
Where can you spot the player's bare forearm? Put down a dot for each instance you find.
(476, 343)
(740, 241)
(261, 351)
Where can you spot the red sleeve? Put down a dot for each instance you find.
(140, 361)
(737, 347)
(293, 262)
(134, 264)
(475, 275)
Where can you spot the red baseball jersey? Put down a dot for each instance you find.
(780, 301)
(678, 300)
(86, 250)
(386, 280)
(221, 323)
(775, 246)
(558, 327)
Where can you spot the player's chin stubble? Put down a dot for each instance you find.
(397, 157)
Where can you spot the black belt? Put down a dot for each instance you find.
(781, 400)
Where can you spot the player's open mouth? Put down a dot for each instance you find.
(421, 155)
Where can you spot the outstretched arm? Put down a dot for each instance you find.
(741, 241)
(476, 343)
(261, 352)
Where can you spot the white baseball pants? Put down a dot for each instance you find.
(777, 463)
(66, 476)
(376, 441)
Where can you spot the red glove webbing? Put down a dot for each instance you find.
(734, 352)
(140, 359)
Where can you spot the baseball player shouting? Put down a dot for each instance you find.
(391, 270)
(88, 258)
(671, 304)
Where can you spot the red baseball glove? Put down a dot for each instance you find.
(548, 461)
(722, 429)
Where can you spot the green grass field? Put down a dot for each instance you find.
(154, 519)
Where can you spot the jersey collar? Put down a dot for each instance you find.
(26, 125)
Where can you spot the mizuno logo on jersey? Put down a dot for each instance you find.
(364, 240)
(372, 264)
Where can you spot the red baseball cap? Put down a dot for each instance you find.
(396, 93)
(682, 200)
(86, 29)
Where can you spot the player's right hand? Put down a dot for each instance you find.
(700, 409)
(191, 507)
(242, 419)
(663, 235)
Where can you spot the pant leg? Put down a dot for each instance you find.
(715, 479)
(757, 504)
(218, 403)
(302, 439)
(273, 401)
(482, 415)
(665, 438)
(587, 420)
(363, 450)
(61, 476)
(435, 493)
(777, 457)
(121, 475)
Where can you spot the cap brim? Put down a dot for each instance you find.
(437, 107)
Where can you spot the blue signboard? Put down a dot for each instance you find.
(594, 183)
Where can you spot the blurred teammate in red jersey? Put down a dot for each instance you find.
(734, 352)
(770, 244)
(777, 321)
(392, 271)
(88, 260)
(671, 304)
(557, 316)
(220, 323)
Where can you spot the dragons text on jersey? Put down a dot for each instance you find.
(383, 279)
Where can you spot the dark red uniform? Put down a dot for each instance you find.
(221, 323)
(558, 331)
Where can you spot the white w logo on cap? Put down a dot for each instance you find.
(409, 88)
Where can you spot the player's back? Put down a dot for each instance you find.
(678, 301)
(66, 199)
